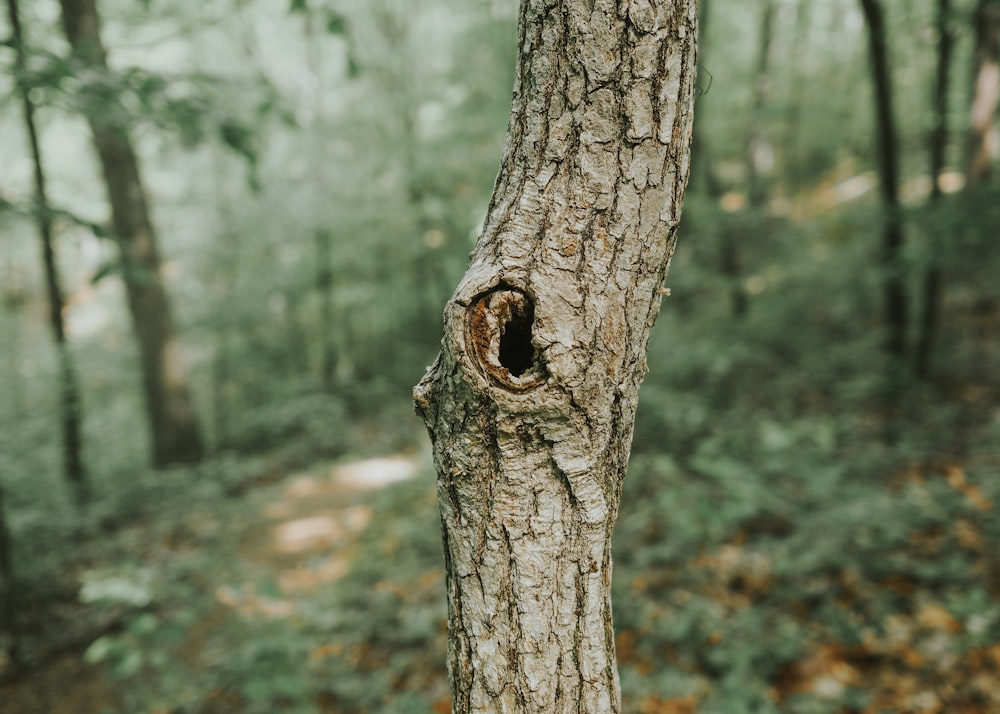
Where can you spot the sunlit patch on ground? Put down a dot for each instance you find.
(315, 521)
(303, 579)
(306, 533)
(375, 473)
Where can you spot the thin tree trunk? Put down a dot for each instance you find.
(530, 405)
(69, 389)
(793, 116)
(324, 286)
(9, 633)
(938, 144)
(703, 177)
(893, 286)
(986, 92)
(171, 413)
(759, 152)
(758, 155)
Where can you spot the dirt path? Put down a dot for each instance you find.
(300, 533)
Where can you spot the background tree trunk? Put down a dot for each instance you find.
(793, 153)
(985, 92)
(530, 405)
(760, 152)
(938, 144)
(69, 388)
(758, 158)
(9, 636)
(172, 419)
(893, 285)
(324, 286)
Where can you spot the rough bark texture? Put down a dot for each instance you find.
(69, 388)
(173, 425)
(531, 403)
(888, 167)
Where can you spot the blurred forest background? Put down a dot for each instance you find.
(214, 496)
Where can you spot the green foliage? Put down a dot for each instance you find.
(766, 522)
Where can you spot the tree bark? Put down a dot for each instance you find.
(172, 419)
(893, 286)
(69, 389)
(938, 144)
(531, 402)
(985, 92)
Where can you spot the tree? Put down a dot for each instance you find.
(793, 113)
(893, 286)
(937, 145)
(530, 404)
(9, 635)
(758, 157)
(69, 389)
(985, 91)
(981, 141)
(759, 154)
(170, 410)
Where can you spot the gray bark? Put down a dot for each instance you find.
(531, 402)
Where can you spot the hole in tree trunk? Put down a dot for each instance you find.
(498, 332)
(517, 353)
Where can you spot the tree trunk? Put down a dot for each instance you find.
(324, 286)
(703, 176)
(530, 405)
(9, 634)
(172, 420)
(893, 286)
(985, 92)
(69, 389)
(760, 153)
(794, 168)
(758, 156)
(938, 144)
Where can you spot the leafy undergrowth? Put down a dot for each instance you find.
(886, 598)
(738, 589)
(321, 592)
(790, 539)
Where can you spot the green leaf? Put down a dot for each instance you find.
(240, 138)
(353, 66)
(128, 589)
(336, 24)
(99, 649)
(298, 6)
(130, 663)
(109, 268)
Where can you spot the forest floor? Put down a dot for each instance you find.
(321, 589)
(271, 551)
